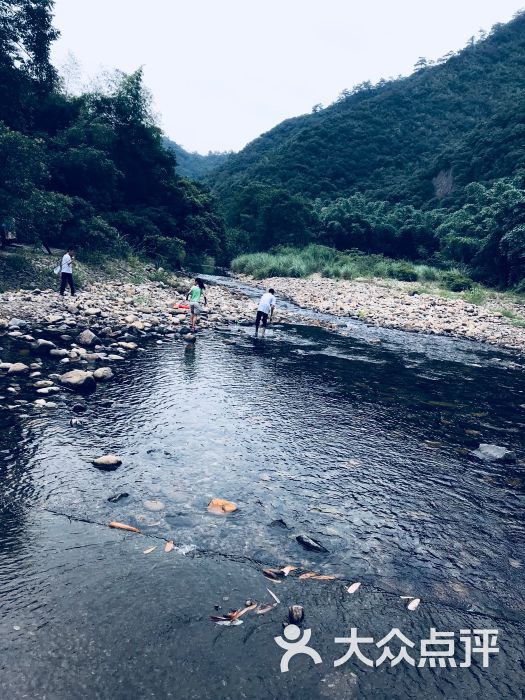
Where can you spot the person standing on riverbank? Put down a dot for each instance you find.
(265, 309)
(195, 295)
(66, 272)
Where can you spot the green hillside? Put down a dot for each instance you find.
(408, 167)
(192, 164)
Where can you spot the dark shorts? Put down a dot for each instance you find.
(261, 318)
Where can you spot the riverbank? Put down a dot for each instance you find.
(405, 306)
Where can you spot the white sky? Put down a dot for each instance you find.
(224, 71)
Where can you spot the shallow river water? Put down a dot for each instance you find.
(365, 447)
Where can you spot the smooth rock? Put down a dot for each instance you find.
(107, 462)
(18, 368)
(494, 453)
(103, 374)
(154, 505)
(78, 380)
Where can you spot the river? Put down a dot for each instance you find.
(362, 440)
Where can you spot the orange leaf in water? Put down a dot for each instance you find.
(169, 546)
(287, 569)
(121, 526)
(308, 574)
(220, 506)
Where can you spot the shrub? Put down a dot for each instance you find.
(456, 281)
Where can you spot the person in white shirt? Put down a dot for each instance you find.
(66, 270)
(265, 309)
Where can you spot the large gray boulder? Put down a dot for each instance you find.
(78, 380)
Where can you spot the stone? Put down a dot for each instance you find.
(58, 352)
(103, 374)
(43, 383)
(93, 312)
(78, 380)
(295, 614)
(88, 338)
(154, 505)
(16, 323)
(18, 368)
(107, 463)
(494, 453)
(42, 345)
(311, 544)
(128, 346)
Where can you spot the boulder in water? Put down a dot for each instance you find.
(103, 374)
(78, 380)
(107, 463)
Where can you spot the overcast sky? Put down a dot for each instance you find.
(224, 71)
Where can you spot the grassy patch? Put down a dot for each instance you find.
(293, 262)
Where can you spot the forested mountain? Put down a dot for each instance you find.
(195, 165)
(91, 171)
(386, 166)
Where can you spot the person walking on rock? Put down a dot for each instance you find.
(195, 295)
(66, 272)
(265, 309)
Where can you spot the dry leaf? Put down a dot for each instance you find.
(353, 588)
(220, 506)
(274, 574)
(263, 609)
(286, 570)
(121, 526)
(308, 574)
(413, 604)
(149, 550)
(273, 595)
(237, 613)
(323, 577)
(169, 546)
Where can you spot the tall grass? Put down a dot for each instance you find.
(293, 262)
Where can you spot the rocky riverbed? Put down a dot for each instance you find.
(88, 334)
(398, 305)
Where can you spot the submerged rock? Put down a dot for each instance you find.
(118, 497)
(279, 523)
(311, 544)
(154, 505)
(494, 453)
